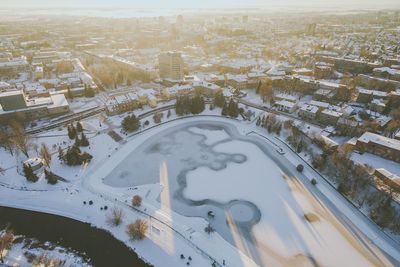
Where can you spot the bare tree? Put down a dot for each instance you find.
(136, 201)
(137, 230)
(6, 240)
(114, 218)
(45, 154)
(5, 141)
(45, 260)
(19, 138)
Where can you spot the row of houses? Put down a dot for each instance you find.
(123, 102)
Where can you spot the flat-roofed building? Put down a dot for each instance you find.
(206, 88)
(14, 65)
(171, 65)
(285, 106)
(12, 100)
(32, 108)
(388, 178)
(308, 112)
(329, 117)
(385, 147)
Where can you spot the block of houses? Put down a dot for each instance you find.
(206, 88)
(348, 123)
(239, 81)
(320, 104)
(323, 70)
(324, 94)
(382, 146)
(285, 106)
(177, 90)
(308, 112)
(329, 117)
(377, 105)
(287, 97)
(366, 95)
(397, 135)
(388, 178)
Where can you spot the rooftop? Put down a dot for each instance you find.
(380, 139)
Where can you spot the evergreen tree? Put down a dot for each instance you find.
(233, 109)
(77, 141)
(258, 87)
(258, 121)
(74, 156)
(70, 95)
(29, 174)
(71, 132)
(89, 92)
(219, 100)
(130, 123)
(60, 153)
(224, 111)
(84, 141)
(50, 177)
(79, 127)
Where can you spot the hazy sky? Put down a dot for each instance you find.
(381, 4)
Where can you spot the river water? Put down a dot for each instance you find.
(94, 245)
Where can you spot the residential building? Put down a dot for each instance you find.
(308, 112)
(329, 117)
(376, 144)
(388, 178)
(285, 106)
(171, 66)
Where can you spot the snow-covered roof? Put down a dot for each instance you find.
(33, 161)
(319, 104)
(286, 97)
(309, 108)
(332, 113)
(369, 137)
(285, 103)
(388, 70)
(388, 175)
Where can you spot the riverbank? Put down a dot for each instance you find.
(95, 246)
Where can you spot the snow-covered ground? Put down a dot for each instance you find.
(376, 162)
(265, 178)
(27, 252)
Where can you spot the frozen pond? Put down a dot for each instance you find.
(245, 190)
(182, 150)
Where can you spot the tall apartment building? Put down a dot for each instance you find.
(171, 66)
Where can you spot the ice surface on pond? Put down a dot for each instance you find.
(183, 148)
(212, 134)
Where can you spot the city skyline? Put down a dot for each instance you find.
(180, 4)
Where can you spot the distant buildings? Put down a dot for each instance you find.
(171, 66)
(13, 66)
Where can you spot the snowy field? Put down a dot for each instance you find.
(30, 252)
